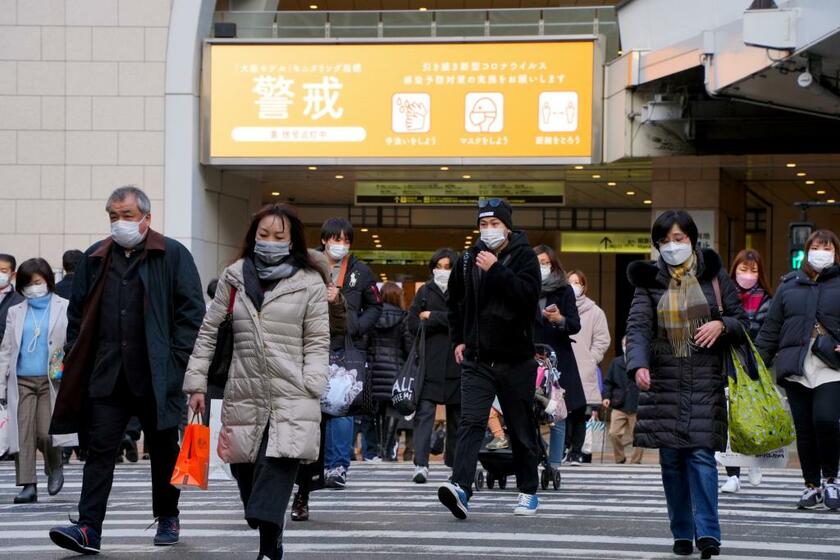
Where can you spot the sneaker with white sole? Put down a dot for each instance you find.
(527, 505)
(831, 494)
(336, 478)
(455, 499)
(421, 475)
(755, 476)
(812, 498)
(731, 486)
(375, 459)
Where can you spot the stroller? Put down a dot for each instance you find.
(497, 464)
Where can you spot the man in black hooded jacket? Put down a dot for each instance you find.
(494, 290)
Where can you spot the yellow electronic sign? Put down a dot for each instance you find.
(481, 102)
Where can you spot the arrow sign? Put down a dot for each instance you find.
(606, 243)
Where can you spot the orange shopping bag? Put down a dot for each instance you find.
(193, 463)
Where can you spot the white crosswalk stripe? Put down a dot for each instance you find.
(601, 511)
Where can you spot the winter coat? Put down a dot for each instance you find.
(619, 389)
(558, 336)
(799, 304)
(388, 347)
(64, 288)
(590, 345)
(493, 312)
(7, 301)
(278, 370)
(442, 377)
(174, 310)
(10, 349)
(363, 301)
(685, 407)
(756, 320)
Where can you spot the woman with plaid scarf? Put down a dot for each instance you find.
(686, 313)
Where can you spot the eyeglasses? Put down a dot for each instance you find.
(491, 202)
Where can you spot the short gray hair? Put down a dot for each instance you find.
(143, 202)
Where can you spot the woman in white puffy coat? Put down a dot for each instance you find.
(271, 413)
(590, 345)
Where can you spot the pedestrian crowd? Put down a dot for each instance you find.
(503, 339)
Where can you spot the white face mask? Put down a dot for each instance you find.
(337, 250)
(820, 259)
(545, 272)
(493, 237)
(442, 278)
(675, 253)
(33, 291)
(127, 233)
(578, 289)
(4, 280)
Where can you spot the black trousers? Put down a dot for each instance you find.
(109, 417)
(266, 486)
(576, 431)
(310, 476)
(424, 422)
(816, 416)
(514, 385)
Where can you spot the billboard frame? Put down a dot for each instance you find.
(598, 60)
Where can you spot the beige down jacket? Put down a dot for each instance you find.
(279, 366)
(590, 345)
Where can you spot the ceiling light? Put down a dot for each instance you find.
(810, 182)
(339, 176)
(596, 176)
(578, 167)
(821, 191)
(648, 201)
(831, 201)
(611, 184)
(375, 235)
(790, 165)
(421, 8)
(467, 176)
(365, 230)
(378, 246)
(313, 6)
(275, 193)
(476, 231)
(313, 168)
(801, 174)
(469, 238)
(631, 193)
(444, 168)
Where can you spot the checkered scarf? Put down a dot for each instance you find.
(683, 308)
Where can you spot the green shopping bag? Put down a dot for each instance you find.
(758, 421)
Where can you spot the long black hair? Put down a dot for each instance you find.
(299, 252)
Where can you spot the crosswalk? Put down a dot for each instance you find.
(601, 511)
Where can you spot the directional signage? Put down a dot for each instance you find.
(457, 193)
(605, 242)
(419, 258)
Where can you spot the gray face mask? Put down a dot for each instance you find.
(272, 252)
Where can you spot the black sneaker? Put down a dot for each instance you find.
(812, 498)
(683, 547)
(130, 447)
(78, 538)
(168, 531)
(709, 547)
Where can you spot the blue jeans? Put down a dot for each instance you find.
(557, 443)
(339, 443)
(691, 490)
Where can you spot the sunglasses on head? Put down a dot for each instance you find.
(490, 202)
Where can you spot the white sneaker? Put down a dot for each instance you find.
(421, 474)
(375, 460)
(731, 486)
(755, 476)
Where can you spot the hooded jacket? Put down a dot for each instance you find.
(389, 345)
(685, 407)
(492, 312)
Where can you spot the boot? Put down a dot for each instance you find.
(392, 443)
(300, 507)
(28, 495)
(55, 482)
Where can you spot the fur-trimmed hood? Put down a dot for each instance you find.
(654, 274)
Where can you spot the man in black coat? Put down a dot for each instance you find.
(69, 261)
(8, 295)
(494, 290)
(133, 318)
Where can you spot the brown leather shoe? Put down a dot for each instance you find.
(300, 507)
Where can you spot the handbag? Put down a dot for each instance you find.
(219, 369)
(192, 467)
(758, 421)
(409, 382)
(824, 348)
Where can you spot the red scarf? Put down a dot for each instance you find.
(751, 299)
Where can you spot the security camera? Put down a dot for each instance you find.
(805, 79)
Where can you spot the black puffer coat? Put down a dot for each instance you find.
(798, 305)
(389, 343)
(557, 336)
(685, 407)
(442, 381)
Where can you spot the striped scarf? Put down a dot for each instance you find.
(683, 308)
